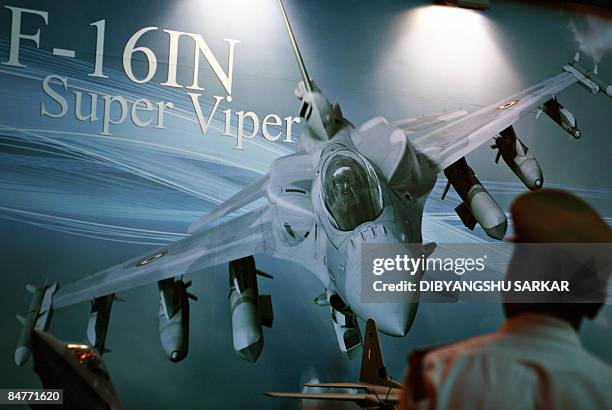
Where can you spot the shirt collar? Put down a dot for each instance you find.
(540, 325)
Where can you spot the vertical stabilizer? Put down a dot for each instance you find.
(373, 370)
(296, 50)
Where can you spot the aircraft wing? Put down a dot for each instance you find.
(237, 201)
(242, 236)
(453, 141)
(412, 125)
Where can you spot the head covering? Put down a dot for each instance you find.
(559, 237)
(555, 216)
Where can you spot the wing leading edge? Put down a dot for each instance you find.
(243, 236)
(449, 143)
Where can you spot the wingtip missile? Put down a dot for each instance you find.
(22, 354)
(37, 318)
(588, 79)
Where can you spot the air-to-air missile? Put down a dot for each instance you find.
(77, 369)
(590, 81)
(561, 116)
(38, 318)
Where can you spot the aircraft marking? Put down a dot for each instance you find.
(150, 259)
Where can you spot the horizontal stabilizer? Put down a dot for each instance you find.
(322, 396)
(337, 385)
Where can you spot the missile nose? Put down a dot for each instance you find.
(538, 183)
(251, 353)
(22, 355)
(530, 173)
(174, 356)
(498, 231)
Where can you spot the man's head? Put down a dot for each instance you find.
(558, 219)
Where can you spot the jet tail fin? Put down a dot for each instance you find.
(373, 370)
(298, 56)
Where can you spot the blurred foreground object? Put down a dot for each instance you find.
(75, 368)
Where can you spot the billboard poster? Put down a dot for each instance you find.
(181, 179)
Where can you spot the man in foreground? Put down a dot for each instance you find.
(535, 361)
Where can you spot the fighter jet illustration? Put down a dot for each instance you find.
(377, 389)
(346, 186)
(77, 369)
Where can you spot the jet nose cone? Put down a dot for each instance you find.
(397, 319)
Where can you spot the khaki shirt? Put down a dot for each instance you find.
(533, 362)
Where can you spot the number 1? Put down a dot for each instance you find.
(100, 26)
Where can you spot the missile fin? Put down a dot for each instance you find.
(446, 188)
(264, 274)
(429, 248)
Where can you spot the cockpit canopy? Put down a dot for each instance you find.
(351, 190)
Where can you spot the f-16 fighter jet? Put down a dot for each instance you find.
(377, 389)
(346, 186)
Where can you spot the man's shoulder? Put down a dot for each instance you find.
(595, 366)
(510, 348)
(469, 347)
